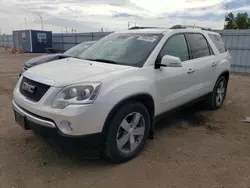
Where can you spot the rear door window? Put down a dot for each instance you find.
(198, 45)
(218, 42)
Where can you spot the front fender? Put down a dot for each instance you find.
(126, 87)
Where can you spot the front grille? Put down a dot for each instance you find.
(33, 90)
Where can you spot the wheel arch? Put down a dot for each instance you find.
(210, 101)
(225, 74)
(144, 98)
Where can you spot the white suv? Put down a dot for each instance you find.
(110, 94)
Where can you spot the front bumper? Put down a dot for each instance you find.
(32, 117)
(84, 119)
(46, 127)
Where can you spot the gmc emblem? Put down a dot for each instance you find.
(29, 88)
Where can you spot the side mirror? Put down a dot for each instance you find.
(169, 61)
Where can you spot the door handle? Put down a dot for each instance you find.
(190, 71)
(214, 64)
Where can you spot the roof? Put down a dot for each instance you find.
(184, 30)
(166, 30)
(151, 30)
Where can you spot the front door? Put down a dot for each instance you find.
(175, 85)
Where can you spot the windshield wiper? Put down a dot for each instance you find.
(76, 57)
(103, 60)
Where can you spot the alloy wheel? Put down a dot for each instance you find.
(220, 93)
(130, 132)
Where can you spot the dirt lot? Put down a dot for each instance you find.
(192, 148)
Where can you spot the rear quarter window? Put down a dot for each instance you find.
(218, 42)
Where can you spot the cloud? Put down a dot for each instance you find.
(92, 15)
(125, 15)
(163, 6)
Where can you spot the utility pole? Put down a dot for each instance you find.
(41, 18)
(66, 29)
(225, 15)
(25, 23)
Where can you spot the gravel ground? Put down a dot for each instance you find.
(192, 148)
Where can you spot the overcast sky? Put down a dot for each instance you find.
(111, 15)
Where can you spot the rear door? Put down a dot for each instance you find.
(222, 56)
(174, 84)
(203, 61)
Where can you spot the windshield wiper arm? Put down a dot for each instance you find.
(103, 60)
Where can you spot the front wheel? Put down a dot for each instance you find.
(216, 99)
(128, 132)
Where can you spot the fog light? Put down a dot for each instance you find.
(65, 127)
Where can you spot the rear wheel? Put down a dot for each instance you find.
(216, 99)
(128, 132)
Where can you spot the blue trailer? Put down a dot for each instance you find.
(32, 40)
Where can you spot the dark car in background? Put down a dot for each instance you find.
(72, 52)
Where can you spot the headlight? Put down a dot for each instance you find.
(84, 93)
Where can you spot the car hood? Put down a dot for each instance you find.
(68, 71)
(39, 60)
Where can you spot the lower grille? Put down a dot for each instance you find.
(33, 90)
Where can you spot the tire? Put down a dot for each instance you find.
(122, 127)
(213, 102)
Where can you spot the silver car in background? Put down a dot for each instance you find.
(72, 52)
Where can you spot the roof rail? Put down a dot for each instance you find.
(137, 27)
(190, 26)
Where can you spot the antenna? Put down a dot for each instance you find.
(129, 23)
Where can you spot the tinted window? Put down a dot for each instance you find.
(198, 45)
(217, 40)
(176, 46)
(130, 49)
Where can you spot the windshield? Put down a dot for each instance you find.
(130, 49)
(78, 49)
